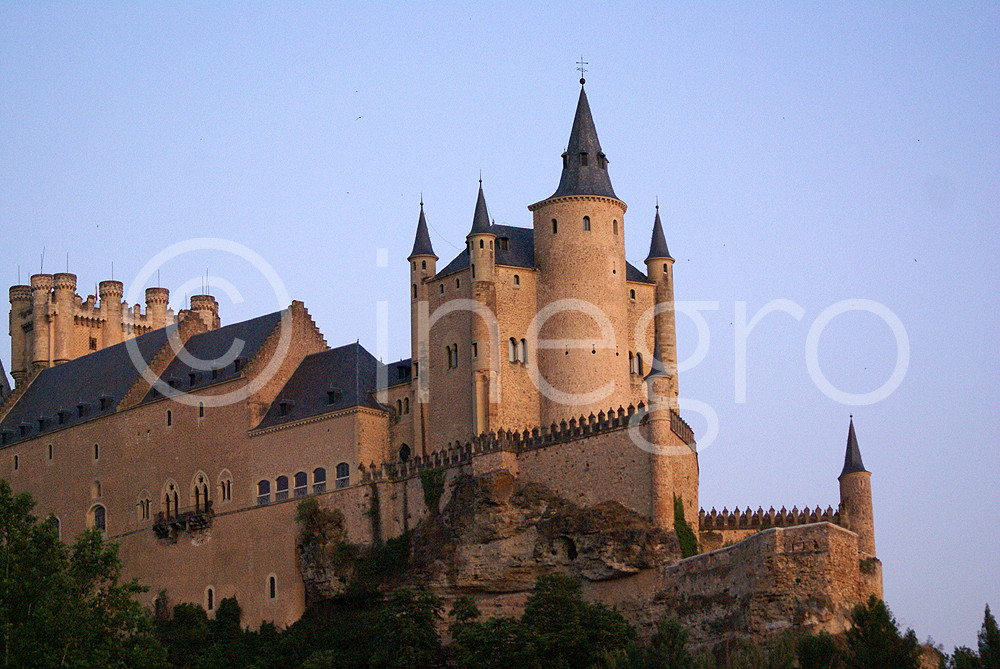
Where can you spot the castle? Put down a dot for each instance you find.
(540, 353)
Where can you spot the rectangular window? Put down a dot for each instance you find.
(475, 350)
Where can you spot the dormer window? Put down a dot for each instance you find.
(105, 403)
(41, 424)
(81, 410)
(504, 243)
(192, 378)
(401, 372)
(332, 396)
(283, 408)
(215, 374)
(583, 158)
(61, 417)
(24, 429)
(602, 161)
(236, 365)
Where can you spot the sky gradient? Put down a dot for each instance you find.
(810, 154)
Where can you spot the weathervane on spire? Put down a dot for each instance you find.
(580, 67)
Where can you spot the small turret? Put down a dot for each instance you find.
(856, 495)
(112, 331)
(207, 308)
(423, 266)
(64, 290)
(481, 240)
(41, 289)
(156, 307)
(660, 270)
(20, 310)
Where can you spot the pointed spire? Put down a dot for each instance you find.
(481, 219)
(657, 368)
(585, 167)
(658, 244)
(852, 459)
(422, 241)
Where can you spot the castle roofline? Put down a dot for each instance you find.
(658, 242)
(422, 240)
(852, 459)
(585, 166)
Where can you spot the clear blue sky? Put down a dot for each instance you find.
(805, 153)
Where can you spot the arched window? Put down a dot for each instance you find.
(638, 363)
(17, 462)
(399, 403)
(50, 451)
(631, 362)
(201, 409)
(263, 492)
(199, 493)
(406, 405)
(142, 506)
(225, 486)
(614, 226)
(517, 280)
(319, 480)
(441, 288)
(458, 282)
(423, 264)
(97, 518)
(272, 587)
(281, 488)
(209, 599)
(512, 350)
(404, 453)
(301, 484)
(555, 226)
(522, 352)
(95, 490)
(664, 268)
(343, 475)
(631, 293)
(480, 243)
(171, 500)
(586, 222)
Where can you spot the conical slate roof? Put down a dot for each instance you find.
(422, 241)
(481, 219)
(852, 459)
(657, 368)
(658, 244)
(579, 178)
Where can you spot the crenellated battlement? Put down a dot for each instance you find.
(762, 520)
(512, 441)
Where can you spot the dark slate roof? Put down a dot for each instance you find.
(422, 240)
(592, 178)
(633, 273)
(400, 371)
(520, 251)
(349, 371)
(4, 383)
(244, 338)
(481, 218)
(107, 374)
(852, 459)
(658, 243)
(657, 368)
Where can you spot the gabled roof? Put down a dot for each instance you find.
(400, 371)
(852, 459)
(349, 372)
(633, 273)
(658, 243)
(577, 178)
(108, 374)
(243, 339)
(422, 240)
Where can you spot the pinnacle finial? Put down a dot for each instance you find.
(580, 67)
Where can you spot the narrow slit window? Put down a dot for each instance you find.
(555, 226)
(586, 222)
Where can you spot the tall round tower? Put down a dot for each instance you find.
(423, 266)
(20, 307)
(581, 326)
(63, 292)
(481, 241)
(41, 339)
(660, 270)
(156, 307)
(112, 329)
(856, 495)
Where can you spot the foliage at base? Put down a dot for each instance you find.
(432, 481)
(685, 535)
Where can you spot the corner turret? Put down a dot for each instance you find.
(423, 266)
(481, 240)
(110, 293)
(856, 495)
(20, 316)
(660, 270)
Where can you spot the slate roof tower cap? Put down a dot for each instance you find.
(852, 459)
(585, 167)
(422, 240)
(658, 244)
(481, 219)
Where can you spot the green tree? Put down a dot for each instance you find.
(874, 640)
(819, 651)
(989, 642)
(65, 606)
(964, 658)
